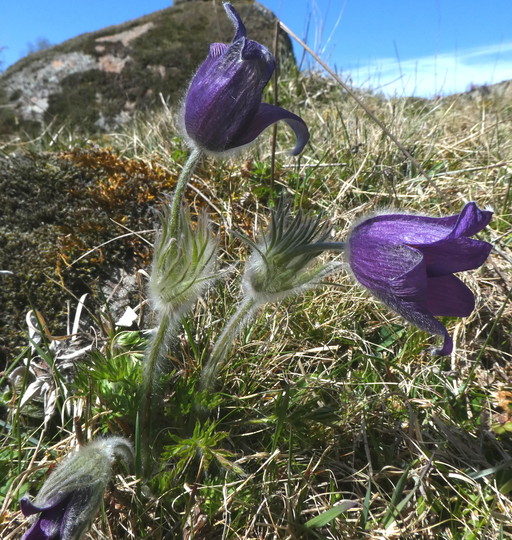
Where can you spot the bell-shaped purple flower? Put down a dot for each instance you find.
(223, 108)
(408, 261)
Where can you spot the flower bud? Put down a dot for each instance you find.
(280, 263)
(72, 494)
(182, 266)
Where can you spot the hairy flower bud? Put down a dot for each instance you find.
(72, 494)
(182, 266)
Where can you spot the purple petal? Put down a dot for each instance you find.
(262, 61)
(397, 276)
(447, 347)
(237, 21)
(252, 50)
(447, 296)
(28, 508)
(270, 114)
(405, 228)
(471, 221)
(35, 533)
(417, 313)
(415, 229)
(387, 268)
(83, 503)
(223, 107)
(48, 524)
(408, 262)
(454, 255)
(217, 50)
(51, 524)
(224, 95)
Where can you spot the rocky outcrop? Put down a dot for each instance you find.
(97, 81)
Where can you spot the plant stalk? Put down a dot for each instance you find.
(152, 369)
(221, 347)
(156, 357)
(183, 180)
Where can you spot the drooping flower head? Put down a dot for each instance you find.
(223, 108)
(408, 261)
(72, 494)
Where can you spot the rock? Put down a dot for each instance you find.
(98, 81)
(61, 236)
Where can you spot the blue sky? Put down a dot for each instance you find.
(407, 47)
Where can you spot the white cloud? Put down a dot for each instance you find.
(427, 76)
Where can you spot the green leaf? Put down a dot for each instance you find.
(396, 505)
(327, 516)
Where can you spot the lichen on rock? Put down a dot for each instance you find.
(59, 235)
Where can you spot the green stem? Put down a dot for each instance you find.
(221, 347)
(183, 179)
(155, 359)
(152, 369)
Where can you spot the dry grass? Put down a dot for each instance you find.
(328, 398)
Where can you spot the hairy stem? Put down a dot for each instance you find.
(183, 179)
(155, 362)
(153, 367)
(218, 355)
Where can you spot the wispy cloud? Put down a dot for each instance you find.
(427, 76)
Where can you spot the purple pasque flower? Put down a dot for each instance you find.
(223, 108)
(60, 516)
(408, 261)
(72, 494)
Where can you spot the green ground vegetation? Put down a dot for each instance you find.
(331, 421)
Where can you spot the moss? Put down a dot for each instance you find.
(57, 208)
